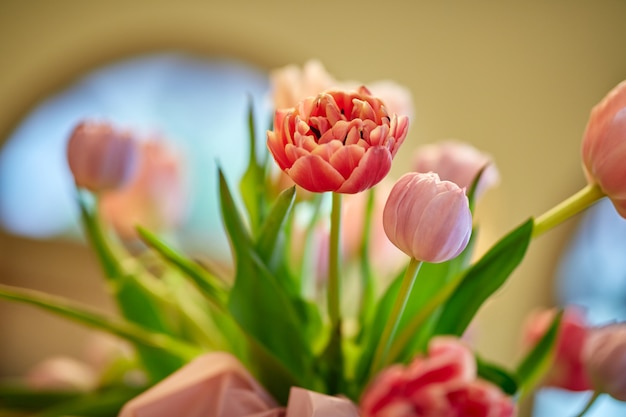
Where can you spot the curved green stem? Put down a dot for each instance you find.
(334, 287)
(589, 404)
(391, 327)
(567, 208)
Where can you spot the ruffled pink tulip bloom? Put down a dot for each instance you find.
(213, 385)
(442, 384)
(155, 197)
(426, 218)
(457, 162)
(604, 356)
(100, 157)
(567, 370)
(604, 147)
(337, 141)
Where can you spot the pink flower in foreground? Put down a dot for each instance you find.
(212, 385)
(567, 371)
(442, 384)
(604, 356)
(100, 157)
(428, 219)
(457, 162)
(305, 403)
(604, 147)
(154, 199)
(338, 141)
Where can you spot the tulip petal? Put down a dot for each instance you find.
(346, 159)
(314, 174)
(373, 167)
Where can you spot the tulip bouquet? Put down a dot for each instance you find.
(305, 321)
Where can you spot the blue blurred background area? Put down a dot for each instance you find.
(197, 104)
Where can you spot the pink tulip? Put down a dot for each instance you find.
(291, 84)
(567, 370)
(442, 384)
(213, 385)
(154, 199)
(605, 360)
(305, 403)
(426, 218)
(457, 162)
(337, 141)
(100, 157)
(604, 147)
(62, 373)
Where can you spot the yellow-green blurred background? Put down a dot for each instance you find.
(515, 79)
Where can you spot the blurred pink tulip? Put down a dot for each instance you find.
(213, 385)
(154, 199)
(426, 218)
(457, 162)
(442, 384)
(338, 141)
(567, 370)
(305, 403)
(291, 84)
(604, 356)
(384, 256)
(604, 147)
(62, 373)
(100, 157)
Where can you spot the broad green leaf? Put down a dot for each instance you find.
(482, 279)
(13, 397)
(537, 362)
(267, 240)
(124, 329)
(261, 305)
(213, 289)
(498, 376)
(134, 298)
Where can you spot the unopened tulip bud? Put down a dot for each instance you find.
(605, 360)
(604, 147)
(426, 218)
(100, 157)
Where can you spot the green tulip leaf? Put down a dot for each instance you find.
(537, 361)
(482, 279)
(261, 305)
(132, 332)
(498, 376)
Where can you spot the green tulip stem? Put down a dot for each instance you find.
(334, 286)
(590, 403)
(392, 324)
(567, 208)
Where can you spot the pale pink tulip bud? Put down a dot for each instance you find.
(100, 157)
(605, 360)
(426, 218)
(154, 199)
(457, 162)
(62, 373)
(604, 147)
(567, 370)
